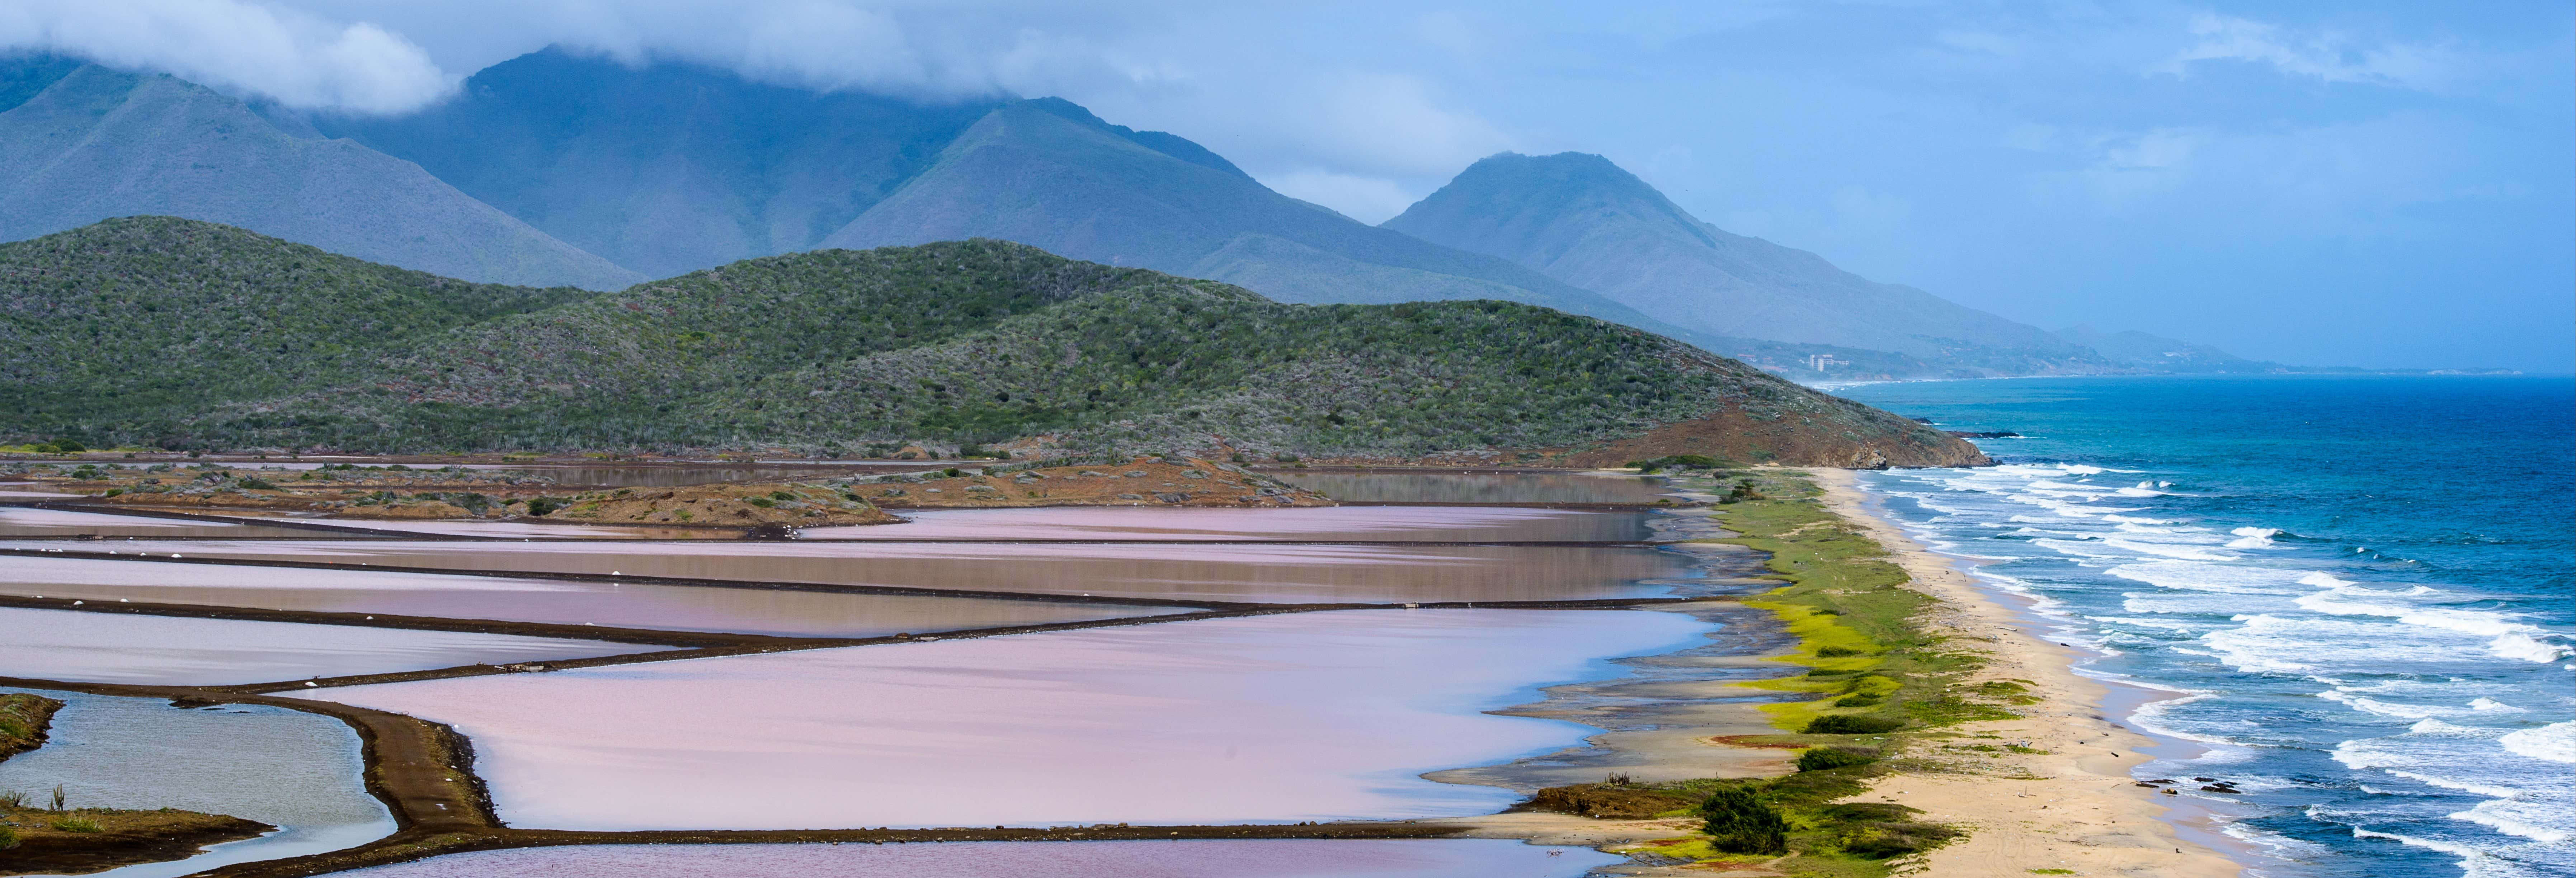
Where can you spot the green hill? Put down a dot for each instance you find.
(948, 343)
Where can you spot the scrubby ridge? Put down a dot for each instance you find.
(952, 343)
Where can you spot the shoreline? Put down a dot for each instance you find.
(2074, 806)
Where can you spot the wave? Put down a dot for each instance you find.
(2555, 742)
(2253, 537)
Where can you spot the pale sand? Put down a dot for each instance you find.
(2074, 807)
(2082, 811)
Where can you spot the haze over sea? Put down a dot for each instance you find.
(2359, 588)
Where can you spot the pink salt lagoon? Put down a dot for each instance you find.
(665, 607)
(1251, 858)
(117, 648)
(1387, 523)
(1281, 718)
(1282, 573)
(32, 522)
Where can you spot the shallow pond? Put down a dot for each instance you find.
(30, 522)
(1284, 573)
(1262, 858)
(1366, 523)
(1421, 487)
(163, 650)
(290, 769)
(672, 608)
(1279, 718)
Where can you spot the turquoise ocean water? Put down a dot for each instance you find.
(2353, 593)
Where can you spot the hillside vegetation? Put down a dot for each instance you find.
(186, 335)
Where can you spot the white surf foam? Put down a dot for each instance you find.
(2555, 742)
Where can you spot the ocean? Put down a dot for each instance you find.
(2354, 596)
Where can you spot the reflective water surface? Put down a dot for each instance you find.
(1296, 573)
(293, 770)
(28, 522)
(113, 648)
(1251, 858)
(672, 608)
(1366, 523)
(1276, 718)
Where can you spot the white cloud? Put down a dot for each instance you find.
(297, 59)
(1370, 200)
(2326, 55)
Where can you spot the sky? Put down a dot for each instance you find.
(2374, 184)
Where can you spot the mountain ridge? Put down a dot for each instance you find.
(1585, 221)
(957, 342)
(81, 142)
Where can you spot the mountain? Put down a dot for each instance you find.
(2157, 353)
(1582, 220)
(80, 143)
(1050, 174)
(669, 167)
(974, 341)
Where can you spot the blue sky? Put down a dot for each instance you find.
(2371, 184)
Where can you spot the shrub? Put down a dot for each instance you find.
(952, 472)
(1883, 840)
(1824, 758)
(762, 502)
(781, 496)
(1739, 822)
(256, 483)
(1839, 651)
(1846, 724)
(78, 824)
(542, 506)
(8, 838)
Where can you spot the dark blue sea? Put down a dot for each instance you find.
(2354, 593)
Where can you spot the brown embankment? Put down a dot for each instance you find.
(116, 838)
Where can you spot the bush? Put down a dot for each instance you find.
(543, 506)
(1839, 651)
(1884, 840)
(762, 502)
(1825, 758)
(257, 484)
(1846, 724)
(8, 838)
(781, 496)
(78, 824)
(1740, 823)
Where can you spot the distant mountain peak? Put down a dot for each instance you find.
(1583, 220)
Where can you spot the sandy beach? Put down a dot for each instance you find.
(2072, 807)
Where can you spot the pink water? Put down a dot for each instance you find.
(1261, 858)
(1393, 523)
(1281, 718)
(1287, 573)
(671, 608)
(30, 522)
(112, 648)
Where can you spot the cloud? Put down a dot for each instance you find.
(297, 59)
(2325, 55)
(1370, 200)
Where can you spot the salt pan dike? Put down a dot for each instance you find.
(1364, 523)
(1265, 719)
(1189, 858)
(33, 522)
(98, 647)
(2349, 596)
(1283, 573)
(779, 612)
